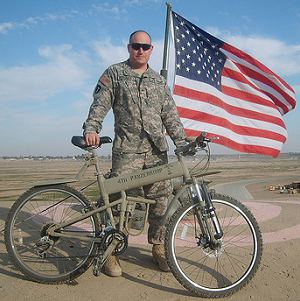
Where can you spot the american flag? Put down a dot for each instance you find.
(227, 93)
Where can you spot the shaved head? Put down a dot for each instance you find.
(139, 31)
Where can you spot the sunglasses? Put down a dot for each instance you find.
(137, 46)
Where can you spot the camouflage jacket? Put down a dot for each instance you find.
(142, 107)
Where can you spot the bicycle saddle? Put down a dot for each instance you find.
(80, 141)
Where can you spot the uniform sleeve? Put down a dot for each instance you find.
(171, 119)
(103, 97)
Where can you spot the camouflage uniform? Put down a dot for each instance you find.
(143, 107)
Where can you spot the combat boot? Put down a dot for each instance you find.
(112, 267)
(158, 253)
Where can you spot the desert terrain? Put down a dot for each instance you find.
(246, 178)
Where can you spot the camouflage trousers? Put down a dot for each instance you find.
(123, 163)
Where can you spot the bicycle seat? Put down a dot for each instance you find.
(80, 141)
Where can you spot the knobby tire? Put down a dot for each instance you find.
(27, 222)
(208, 272)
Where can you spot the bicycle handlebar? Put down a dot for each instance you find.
(190, 149)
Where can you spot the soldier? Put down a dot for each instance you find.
(143, 107)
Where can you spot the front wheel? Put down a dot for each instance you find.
(43, 258)
(224, 268)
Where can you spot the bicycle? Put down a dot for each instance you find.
(213, 243)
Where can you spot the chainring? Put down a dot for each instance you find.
(120, 236)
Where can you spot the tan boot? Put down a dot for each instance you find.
(158, 253)
(112, 267)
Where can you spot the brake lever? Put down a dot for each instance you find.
(202, 141)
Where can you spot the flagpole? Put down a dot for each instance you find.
(164, 70)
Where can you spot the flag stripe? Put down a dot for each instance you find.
(237, 61)
(207, 94)
(246, 148)
(274, 95)
(229, 74)
(233, 66)
(251, 89)
(247, 96)
(219, 130)
(246, 57)
(241, 130)
(219, 108)
(263, 81)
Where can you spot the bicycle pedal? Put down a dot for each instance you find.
(96, 272)
(97, 267)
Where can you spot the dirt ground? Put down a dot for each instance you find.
(278, 277)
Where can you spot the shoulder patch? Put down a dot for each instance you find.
(104, 80)
(97, 89)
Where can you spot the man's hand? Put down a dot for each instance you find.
(92, 139)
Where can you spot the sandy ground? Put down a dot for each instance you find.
(278, 277)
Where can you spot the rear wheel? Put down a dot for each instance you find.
(43, 258)
(214, 270)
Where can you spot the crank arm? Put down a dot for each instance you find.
(110, 249)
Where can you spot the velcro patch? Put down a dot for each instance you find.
(104, 80)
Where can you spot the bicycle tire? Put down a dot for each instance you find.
(214, 273)
(27, 220)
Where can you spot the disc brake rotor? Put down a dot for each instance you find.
(215, 251)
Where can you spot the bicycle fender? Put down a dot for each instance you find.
(54, 182)
(174, 203)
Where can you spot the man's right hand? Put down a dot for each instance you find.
(92, 139)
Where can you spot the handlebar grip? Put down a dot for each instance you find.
(105, 139)
(80, 141)
(187, 150)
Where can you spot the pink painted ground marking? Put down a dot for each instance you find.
(263, 211)
(282, 235)
(270, 211)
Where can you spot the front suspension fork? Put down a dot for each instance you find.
(207, 212)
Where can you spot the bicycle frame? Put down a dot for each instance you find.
(53, 232)
(121, 184)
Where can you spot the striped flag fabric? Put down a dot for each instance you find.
(227, 93)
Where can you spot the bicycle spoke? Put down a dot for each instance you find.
(44, 257)
(213, 268)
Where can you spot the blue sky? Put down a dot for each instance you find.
(53, 52)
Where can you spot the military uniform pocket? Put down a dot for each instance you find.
(154, 100)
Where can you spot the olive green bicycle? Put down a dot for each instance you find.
(213, 244)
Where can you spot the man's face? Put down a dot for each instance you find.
(139, 57)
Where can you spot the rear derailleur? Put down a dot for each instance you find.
(46, 242)
(43, 246)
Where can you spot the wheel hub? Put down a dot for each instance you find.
(214, 250)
